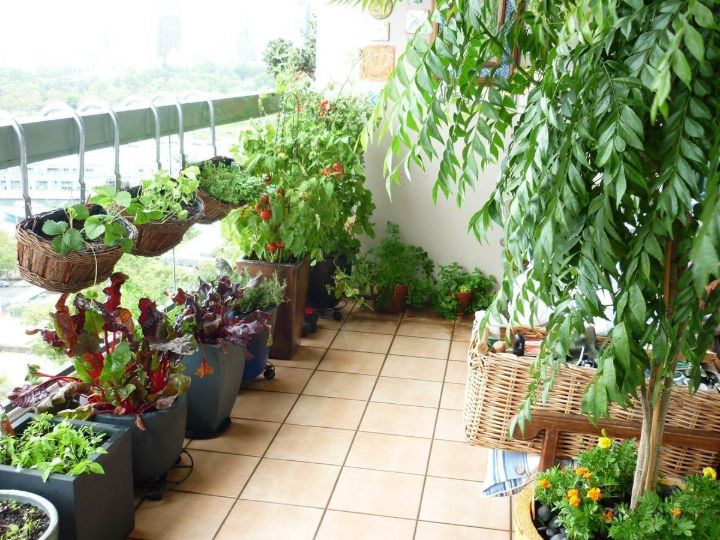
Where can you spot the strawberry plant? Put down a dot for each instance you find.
(85, 227)
(163, 198)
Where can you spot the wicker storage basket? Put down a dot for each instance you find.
(498, 382)
(155, 238)
(40, 265)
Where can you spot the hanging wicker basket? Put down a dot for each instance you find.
(41, 265)
(156, 238)
(215, 209)
(498, 383)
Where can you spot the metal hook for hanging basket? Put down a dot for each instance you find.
(55, 108)
(137, 100)
(181, 123)
(104, 107)
(22, 148)
(211, 109)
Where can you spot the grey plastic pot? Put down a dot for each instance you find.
(25, 497)
(155, 450)
(212, 396)
(89, 506)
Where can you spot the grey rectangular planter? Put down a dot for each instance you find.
(90, 506)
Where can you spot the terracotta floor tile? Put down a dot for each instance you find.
(459, 460)
(322, 337)
(441, 531)
(414, 367)
(327, 412)
(462, 332)
(287, 379)
(308, 443)
(364, 363)
(460, 502)
(407, 392)
(179, 516)
(291, 482)
(450, 425)
(426, 330)
(393, 453)
(252, 520)
(399, 419)
(366, 324)
(361, 341)
(257, 405)
(377, 492)
(369, 313)
(459, 351)
(340, 385)
(215, 473)
(347, 526)
(305, 357)
(329, 323)
(423, 315)
(456, 372)
(453, 396)
(423, 347)
(248, 437)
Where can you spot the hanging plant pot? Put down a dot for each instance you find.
(259, 349)
(89, 506)
(41, 265)
(156, 448)
(215, 209)
(156, 238)
(287, 330)
(213, 389)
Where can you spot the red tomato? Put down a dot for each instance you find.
(272, 248)
(325, 172)
(338, 169)
(266, 215)
(279, 244)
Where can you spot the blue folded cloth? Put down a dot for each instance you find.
(508, 472)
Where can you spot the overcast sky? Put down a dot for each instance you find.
(103, 36)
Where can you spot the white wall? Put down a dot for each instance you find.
(441, 229)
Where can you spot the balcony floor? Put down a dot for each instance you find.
(359, 436)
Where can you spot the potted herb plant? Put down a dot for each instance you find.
(224, 185)
(216, 368)
(126, 374)
(73, 248)
(461, 292)
(27, 516)
(163, 209)
(84, 469)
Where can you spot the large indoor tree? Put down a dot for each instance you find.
(608, 129)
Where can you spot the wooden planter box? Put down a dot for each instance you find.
(287, 330)
(90, 506)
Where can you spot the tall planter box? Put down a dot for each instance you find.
(90, 506)
(155, 450)
(287, 331)
(212, 396)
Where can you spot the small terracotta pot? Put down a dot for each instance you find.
(398, 301)
(464, 299)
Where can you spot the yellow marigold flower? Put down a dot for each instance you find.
(544, 483)
(587, 476)
(709, 472)
(676, 512)
(574, 501)
(573, 493)
(594, 494)
(580, 471)
(604, 442)
(608, 516)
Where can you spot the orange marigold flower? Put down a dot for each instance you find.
(608, 516)
(587, 476)
(709, 472)
(574, 501)
(544, 483)
(573, 493)
(676, 512)
(604, 442)
(594, 494)
(580, 471)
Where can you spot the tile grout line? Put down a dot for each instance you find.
(432, 445)
(273, 437)
(352, 442)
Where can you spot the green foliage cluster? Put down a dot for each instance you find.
(53, 447)
(163, 198)
(316, 201)
(261, 293)
(610, 184)
(282, 57)
(454, 278)
(229, 183)
(34, 520)
(81, 228)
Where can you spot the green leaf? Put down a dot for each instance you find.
(53, 228)
(79, 211)
(71, 240)
(694, 42)
(621, 345)
(681, 67)
(123, 199)
(94, 322)
(703, 15)
(94, 227)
